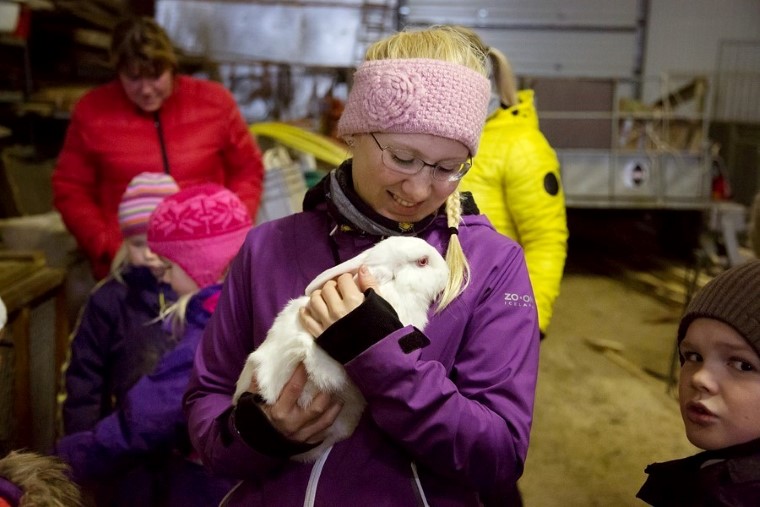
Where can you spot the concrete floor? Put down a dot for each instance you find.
(599, 418)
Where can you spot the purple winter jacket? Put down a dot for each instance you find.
(139, 454)
(118, 339)
(444, 425)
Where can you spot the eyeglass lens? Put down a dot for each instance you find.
(408, 164)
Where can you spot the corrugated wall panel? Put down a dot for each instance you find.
(582, 13)
(738, 82)
(565, 53)
(582, 38)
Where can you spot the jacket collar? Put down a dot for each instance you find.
(678, 482)
(353, 215)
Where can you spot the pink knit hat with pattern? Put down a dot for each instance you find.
(417, 96)
(140, 198)
(201, 228)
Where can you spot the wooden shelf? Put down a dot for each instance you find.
(26, 285)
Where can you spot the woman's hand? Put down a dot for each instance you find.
(295, 422)
(334, 300)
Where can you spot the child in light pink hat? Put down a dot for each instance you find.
(196, 232)
(143, 194)
(118, 338)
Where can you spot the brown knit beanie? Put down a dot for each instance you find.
(732, 297)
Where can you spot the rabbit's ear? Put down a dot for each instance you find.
(350, 266)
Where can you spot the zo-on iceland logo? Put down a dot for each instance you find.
(520, 300)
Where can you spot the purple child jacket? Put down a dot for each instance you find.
(147, 436)
(448, 424)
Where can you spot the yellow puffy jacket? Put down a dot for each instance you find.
(515, 180)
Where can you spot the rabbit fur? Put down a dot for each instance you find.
(410, 275)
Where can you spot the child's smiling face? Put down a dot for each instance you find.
(719, 386)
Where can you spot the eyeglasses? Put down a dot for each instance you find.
(406, 163)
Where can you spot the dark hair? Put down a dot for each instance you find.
(139, 45)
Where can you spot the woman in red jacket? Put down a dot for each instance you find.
(149, 119)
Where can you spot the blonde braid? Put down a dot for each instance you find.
(506, 85)
(459, 268)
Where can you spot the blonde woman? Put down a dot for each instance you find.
(449, 408)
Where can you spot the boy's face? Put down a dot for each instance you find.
(719, 386)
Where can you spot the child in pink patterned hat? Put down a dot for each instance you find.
(196, 232)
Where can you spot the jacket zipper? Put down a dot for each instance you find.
(226, 500)
(316, 471)
(417, 483)
(160, 131)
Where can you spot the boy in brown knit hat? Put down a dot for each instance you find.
(719, 393)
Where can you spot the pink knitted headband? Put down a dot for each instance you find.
(417, 96)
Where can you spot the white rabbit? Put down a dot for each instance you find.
(410, 275)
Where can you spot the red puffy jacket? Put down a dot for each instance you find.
(110, 140)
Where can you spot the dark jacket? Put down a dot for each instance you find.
(725, 477)
(147, 437)
(118, 340)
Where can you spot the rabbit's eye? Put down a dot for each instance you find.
(422, 261)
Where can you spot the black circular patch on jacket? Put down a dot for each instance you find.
(551, 184)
